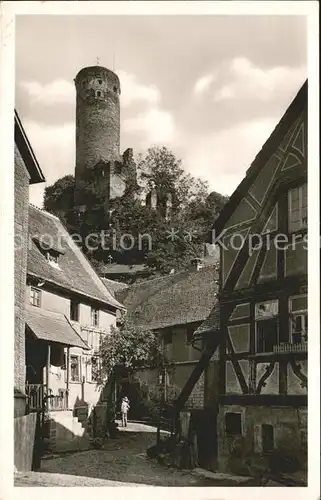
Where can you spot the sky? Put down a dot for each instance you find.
(210, 88)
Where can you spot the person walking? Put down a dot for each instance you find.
(124, 410)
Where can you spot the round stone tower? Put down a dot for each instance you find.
(97, 119)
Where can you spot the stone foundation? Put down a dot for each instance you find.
(289, 428)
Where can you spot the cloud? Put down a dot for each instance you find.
(132, 90)
(155, 125)
(247, 81)
(204, 83)
(223, 157)
(54, 147)
(56, 92)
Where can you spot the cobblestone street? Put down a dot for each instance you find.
(123, 459)
(120, 461)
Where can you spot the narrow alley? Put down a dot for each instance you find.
(121, 461)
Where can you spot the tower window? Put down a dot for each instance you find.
(115, 89)
(98, 93)
(100, 82)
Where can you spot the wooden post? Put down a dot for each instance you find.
(68, 374)
(48, 372)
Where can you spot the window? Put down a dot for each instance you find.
(98, 93)
(233, 424)
(189, 337)
(94, 317)
(267, 438)
(267, 325)
(168, 338)
(298, 208)
(115, 89)
(100, 82)
(35, 296)
(53, 258)
(75, 368)
(74, 310)
(93, 340)
(94, 368)
(298, 319)
(299, 328)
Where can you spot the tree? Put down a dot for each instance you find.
(127, 347)
(168, 242)
(59, 198)
(160, 168)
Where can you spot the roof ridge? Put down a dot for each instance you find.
(80, 255)
(45, 212)
(156, 278)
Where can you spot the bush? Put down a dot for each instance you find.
(97, 443)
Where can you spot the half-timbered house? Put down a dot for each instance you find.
(260, 340)
(262, 234)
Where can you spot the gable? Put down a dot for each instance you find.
(287, 132)
(288, 156)
(261, 205)
(74, 272)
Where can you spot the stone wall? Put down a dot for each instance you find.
(21, 200)
(24, 441)
(289, 429)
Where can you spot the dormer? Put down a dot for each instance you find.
(52, 257)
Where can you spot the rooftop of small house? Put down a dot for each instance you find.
(122, 269)
(114, 286)
(176, 299)
(54, 258)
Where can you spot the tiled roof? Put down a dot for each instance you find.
(180, 298)
(211, 323)
(74, 273)
(52, 326)
(113, 286)
(123, 269)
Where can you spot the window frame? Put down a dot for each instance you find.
(94, 317)
(264, 450)
(38, 291)
(302, 225)
(233, 434)
(259, 320)
(168, 338)
(303, 313)
(77, 304)
(71, 379)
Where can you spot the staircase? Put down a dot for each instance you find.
(66, 432)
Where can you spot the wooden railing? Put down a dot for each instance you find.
(38, 397)
(36, 394)
(288, 347)
(58, 401)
